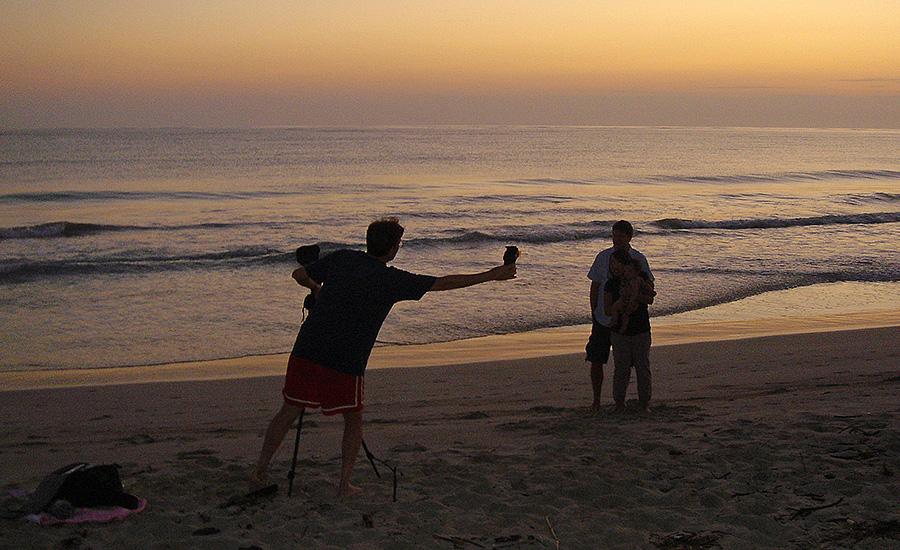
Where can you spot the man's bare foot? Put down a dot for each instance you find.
(256, 480)
(349, 491)
(595, 406)
(619, 408)
(644, 409)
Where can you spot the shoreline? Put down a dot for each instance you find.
(541, 343)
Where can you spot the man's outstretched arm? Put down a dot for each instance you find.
(499, 273)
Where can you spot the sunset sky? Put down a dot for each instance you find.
(225, 63)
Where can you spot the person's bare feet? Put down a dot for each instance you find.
(256, 480)
(595, 406)
(619, 408)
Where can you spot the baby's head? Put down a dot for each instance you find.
(623, 265)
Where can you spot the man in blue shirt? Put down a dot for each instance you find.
(354, 293)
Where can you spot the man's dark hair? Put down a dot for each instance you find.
(383, 235)
(624, 227)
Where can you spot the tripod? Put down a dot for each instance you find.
(293, 472)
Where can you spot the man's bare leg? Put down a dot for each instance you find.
(278, 428)
(596, 384)
(349, 451)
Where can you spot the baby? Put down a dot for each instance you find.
(634, 289)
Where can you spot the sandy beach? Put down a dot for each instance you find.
(774, 441)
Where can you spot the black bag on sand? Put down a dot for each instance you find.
(83, 486)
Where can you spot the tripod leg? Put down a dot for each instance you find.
(296, 448)
(371, 458)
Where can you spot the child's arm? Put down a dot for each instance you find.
(646, 292)
(631, 293)
(613, 306)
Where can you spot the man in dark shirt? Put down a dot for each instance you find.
(630, 335)
(354, 293)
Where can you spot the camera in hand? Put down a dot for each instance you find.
(511, 255)
(306, 255)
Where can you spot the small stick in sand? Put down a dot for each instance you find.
(552, 532)
(803, 512)
(458, 542)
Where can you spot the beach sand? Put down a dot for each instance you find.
(779, 441)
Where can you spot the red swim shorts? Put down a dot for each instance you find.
(308, 384)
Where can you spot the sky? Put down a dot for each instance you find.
(250, 63)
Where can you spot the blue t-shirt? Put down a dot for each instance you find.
(358, 291)
(599, 273)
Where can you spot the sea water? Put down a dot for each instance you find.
(137, 247)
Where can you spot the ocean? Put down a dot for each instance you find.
(141, 247)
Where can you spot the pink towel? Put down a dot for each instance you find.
(84, 515)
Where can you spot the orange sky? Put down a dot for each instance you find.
(246, 63)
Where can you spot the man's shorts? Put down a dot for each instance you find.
(597, 348)
(308, 384)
